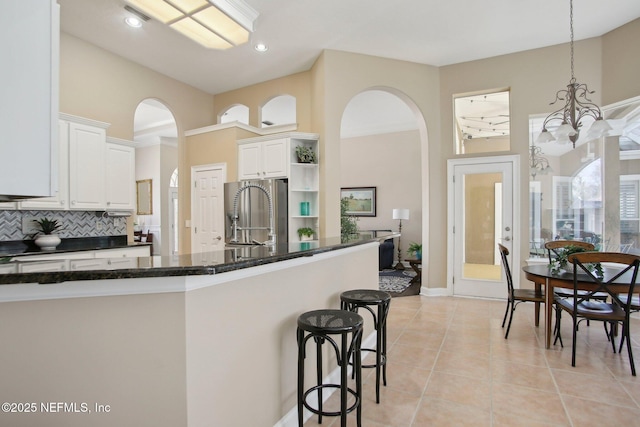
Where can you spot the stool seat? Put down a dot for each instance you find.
(370, 296)
(319, 326)
(330, 321)
(354, 299)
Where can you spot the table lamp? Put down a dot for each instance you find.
(400, 214)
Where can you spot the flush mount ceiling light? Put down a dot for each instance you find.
(215, 24)
(577, 106)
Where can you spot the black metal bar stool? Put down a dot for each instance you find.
(366, 298)
(320, 325)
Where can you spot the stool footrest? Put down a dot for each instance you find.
(328, 413)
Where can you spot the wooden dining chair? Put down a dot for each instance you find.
(515, 296)
(581, 307)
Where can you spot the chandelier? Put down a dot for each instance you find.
(538, 164)
(577, 106)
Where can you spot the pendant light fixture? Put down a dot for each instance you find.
(577, 106)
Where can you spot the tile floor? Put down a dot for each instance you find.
(449, 365)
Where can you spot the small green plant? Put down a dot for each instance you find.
(561, 261)
(305, 231)
(306, 154)
(47, 226)
(415, 248)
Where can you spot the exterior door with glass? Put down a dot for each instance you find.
(482, 199)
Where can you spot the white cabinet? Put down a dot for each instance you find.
(61, 199)
(274, 156)
(121, 177)
(42, 266)
(263, 159)
(29, 42)
(94, 174)
(130, 252)
(87, 167)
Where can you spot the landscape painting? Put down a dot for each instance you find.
(361, 201)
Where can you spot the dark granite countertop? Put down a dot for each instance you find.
(228, 259)
(18, 248)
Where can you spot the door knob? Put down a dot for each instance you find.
(507, 239)
(219, 238)
(507, 229)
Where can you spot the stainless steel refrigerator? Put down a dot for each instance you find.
(252, 206)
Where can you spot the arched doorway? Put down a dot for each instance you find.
(380, 143)
(155, 132)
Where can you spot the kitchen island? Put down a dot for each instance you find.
(199, 340)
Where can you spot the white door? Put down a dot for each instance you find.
(207, 208)
(483, 201)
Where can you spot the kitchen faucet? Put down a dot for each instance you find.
(270, 229)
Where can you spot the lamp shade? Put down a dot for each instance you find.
(401, 214)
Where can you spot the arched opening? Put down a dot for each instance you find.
(237, 113)
(280, 110)
(381, 147)
(155, 131)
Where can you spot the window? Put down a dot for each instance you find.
(482, 123)
(592, 192)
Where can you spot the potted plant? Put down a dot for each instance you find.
(306, 233)
(415, 248)
(45, 236)
(306, 154)
(559, 263)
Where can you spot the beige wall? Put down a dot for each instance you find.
(391, 163)
(525, 74)
(99, 85)
(620, 63)
(202, 149)
(345, 75)
(255, 96)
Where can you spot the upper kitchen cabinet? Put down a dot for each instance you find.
(29, 43)
(263, 158)
(121, 175)
(61, 199)
(87, 166)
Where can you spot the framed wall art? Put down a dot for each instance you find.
(361, 200)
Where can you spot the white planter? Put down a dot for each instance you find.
(306, 238)
(47, 242)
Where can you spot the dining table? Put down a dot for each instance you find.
(542, 276)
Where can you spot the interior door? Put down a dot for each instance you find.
(483, 207)
(207, 208)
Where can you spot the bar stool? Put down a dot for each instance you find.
(320, 325)
(366, 298)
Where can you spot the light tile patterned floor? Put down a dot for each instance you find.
(449, 365)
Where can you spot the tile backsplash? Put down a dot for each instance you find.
(75, 224)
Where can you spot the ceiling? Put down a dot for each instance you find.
(433, 32)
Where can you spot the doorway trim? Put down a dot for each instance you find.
(516, 233)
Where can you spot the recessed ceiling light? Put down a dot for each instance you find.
(137, 19)
(261, 47)
(133, 22)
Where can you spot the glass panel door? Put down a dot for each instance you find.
(483, 209)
